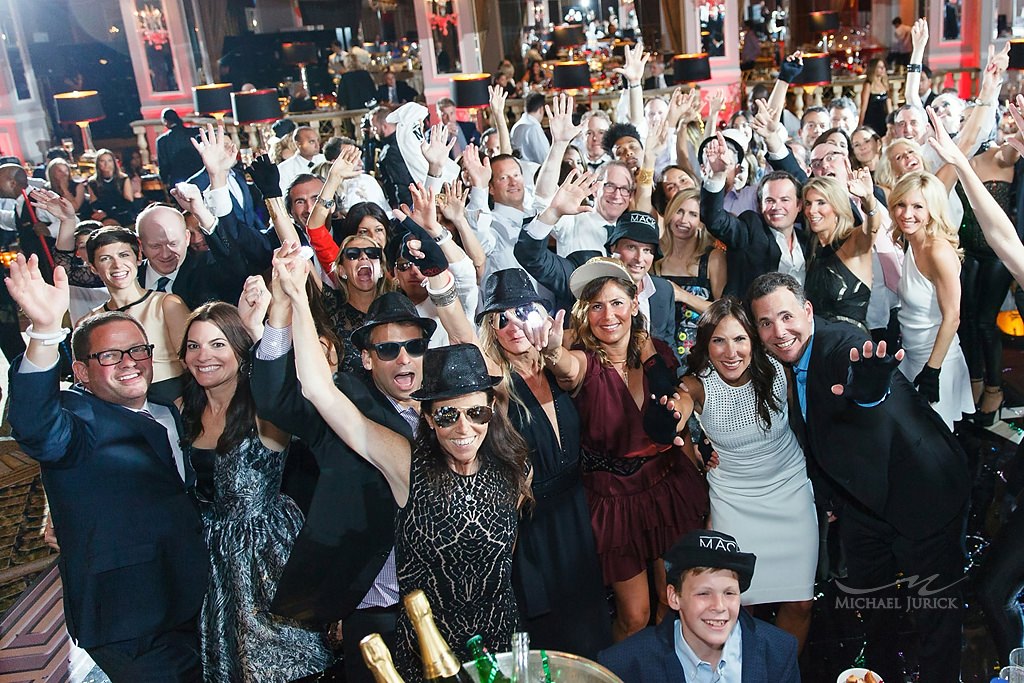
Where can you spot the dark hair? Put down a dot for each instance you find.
(126, 161)
(332, 148)
(765, 284)
(56, 153)
(581, 323)
(812, 110)
(299, 180)
(779, 175)
(762, 372)
(358, 212)
(503, 447)
(171, 116)
(240, 419)
(615, 132)
(759, 92)
(81, 339)
(534, 103)
(824, 139)
(110, 234)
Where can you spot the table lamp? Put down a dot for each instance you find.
(300, 55)
(691, 68)
(571, 76)
(212, 100)
(80, 107)
(255, 107)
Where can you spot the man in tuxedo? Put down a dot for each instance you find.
(342, 566)
(465, 132)
(252, 233)
(174, 150)
(883, 461)
(133, 562)
(395, 91)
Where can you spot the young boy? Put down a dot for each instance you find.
(706, 572)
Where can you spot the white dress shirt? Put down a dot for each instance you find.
(294, 166)
(527, 135)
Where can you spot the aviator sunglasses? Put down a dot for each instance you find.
(448, 415)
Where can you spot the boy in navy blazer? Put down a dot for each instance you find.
(706, 572)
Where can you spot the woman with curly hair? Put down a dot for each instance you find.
(930, 295)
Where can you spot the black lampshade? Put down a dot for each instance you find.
(1017, 53)
(79, 106)
(571, 76)
(691, 68)
(469, 91)
(824, 22)
(255, 106)
(569, 35)
(817, 69)
(298, 53)
(211, 99)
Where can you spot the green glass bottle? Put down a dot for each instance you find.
(486, 664)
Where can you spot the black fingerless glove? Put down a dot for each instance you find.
(433, 261)
(265, 177)
(661, 380)
(660, 423)
(927, 383)
(868, 380)
(790, 69)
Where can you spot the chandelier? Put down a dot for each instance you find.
(152, 26)
(383, 5)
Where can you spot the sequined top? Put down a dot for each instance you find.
(836, 293)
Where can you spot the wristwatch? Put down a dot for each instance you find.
(328, 204)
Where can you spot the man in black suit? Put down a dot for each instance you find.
(888, 467)
(465, 132)
(395, 91)
(133, 562)
(757, 242)
(392, 172)
(342, 565)
(175, 154)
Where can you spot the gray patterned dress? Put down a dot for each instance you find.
(250, 527)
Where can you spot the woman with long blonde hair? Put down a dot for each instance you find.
(696, 269)
(930, 295)
(839, 271)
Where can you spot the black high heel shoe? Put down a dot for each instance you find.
(988, 418)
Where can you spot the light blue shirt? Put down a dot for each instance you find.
(800, 376)
(730, 666)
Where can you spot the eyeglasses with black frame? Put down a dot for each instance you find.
(354, 253)
(446, 416)
(115, 356)
(390, 350)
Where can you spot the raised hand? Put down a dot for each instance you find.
(51, 202)
(944, 146)
(690, 107)
(719, 155)
(290, 272)
(265, 176)
(766, 123)
(453, 207)
(791, 67)
(657, 140)
(216, 149)
(437, 150)
(421, 249)
(677, 104)
(1017, 112)
(859, 183)
(424, 210)
(661, 419)
(560, 119)
(189, 197)
(347, 164)
(44, 304)
(544, 332)
(636, 62)
(498, 95)
(715, 103)
(568, 200)
(253, 305)
(870, 374)
(995, 68)
(919, 34)
(479, 170)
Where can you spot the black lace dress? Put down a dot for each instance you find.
(454, 542)
(834, 291)
(346, 319)
(250, 528)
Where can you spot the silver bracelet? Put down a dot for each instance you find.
(445, 298)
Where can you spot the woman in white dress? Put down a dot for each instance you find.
(930, 295)
(760, 493)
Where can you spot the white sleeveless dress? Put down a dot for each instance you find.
(760, 493)
(919, 319)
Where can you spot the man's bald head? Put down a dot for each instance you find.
(13, 180)
(163, 236)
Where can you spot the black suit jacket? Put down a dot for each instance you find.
(356, 90)
(392, 173)
(751, 247)
(177, 158)
(405, 93)
(214, 275)
(251, 232)
(897, 459)
(553, 271)
(769, 654)
(349, 530)
(133, 561)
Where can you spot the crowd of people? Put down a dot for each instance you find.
(553, 377)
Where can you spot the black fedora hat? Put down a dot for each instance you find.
(508, 288)
(391, 307)
(639, 226)
(711, 549)
(450, 371)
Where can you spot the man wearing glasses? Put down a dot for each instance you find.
(342, 567)
(133, 563)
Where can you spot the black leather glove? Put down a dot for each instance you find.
(265, 177)
(927, 383)
(661, 380)
(433, 261)
(868, 380)
(660, 423)
(790, 69)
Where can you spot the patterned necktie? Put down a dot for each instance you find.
(161, 283)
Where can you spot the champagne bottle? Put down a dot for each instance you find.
(439, 662)
(378, 659)
(486, 664)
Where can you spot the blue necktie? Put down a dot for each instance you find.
(161, 284)
(800, 375)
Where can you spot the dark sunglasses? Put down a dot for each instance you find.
(390, 350)
(449, 415)
(404, 266)
(353, 253)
